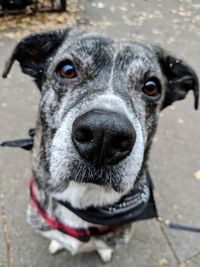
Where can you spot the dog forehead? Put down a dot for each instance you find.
(92, 44)
(85, 45)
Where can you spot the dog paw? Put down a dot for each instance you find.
(105, 254)
(54, 247)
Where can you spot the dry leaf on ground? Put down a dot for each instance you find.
(197, 175)
(163, 261)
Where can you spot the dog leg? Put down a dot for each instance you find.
(105, 254)
(54, 247)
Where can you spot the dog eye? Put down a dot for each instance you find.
(66, 70)
(152, 88)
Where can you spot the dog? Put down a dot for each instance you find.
(98, 113)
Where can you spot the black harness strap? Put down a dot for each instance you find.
(26, 143)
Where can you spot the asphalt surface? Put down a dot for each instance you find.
(175, 155)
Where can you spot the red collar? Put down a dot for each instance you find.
(81, 234)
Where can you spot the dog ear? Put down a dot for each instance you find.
(32, 52)
(180, 78)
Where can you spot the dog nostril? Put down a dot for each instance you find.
(121, 143)
(83, 136)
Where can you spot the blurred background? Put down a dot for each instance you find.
(175, 155)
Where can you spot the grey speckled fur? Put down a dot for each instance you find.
(111, 75)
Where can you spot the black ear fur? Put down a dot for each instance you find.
(33, 51)
(180, 78)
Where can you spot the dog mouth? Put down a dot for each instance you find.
(127, 208)
(84, 172)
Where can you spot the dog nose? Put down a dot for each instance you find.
(103, 137)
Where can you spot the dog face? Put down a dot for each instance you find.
(100, 102)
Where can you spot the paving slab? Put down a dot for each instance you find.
(177, 190)
(194, 262)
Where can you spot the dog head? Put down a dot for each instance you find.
(100, 102)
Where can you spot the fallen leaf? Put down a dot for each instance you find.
(163, 261)
(61, 19)
(197, 175)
